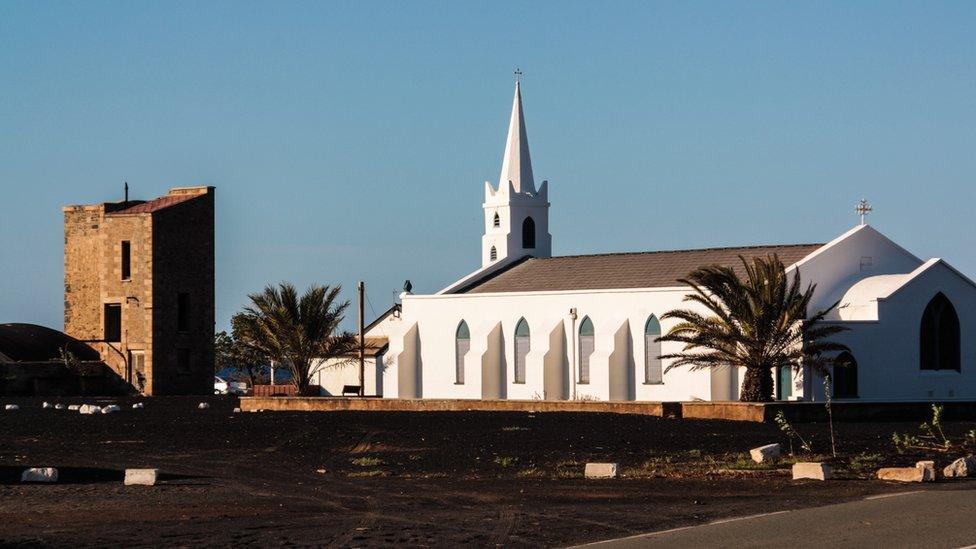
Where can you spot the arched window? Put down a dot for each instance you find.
(462, 343)
(845, 376)
(652, 351)
(585, 349)
(940, 335)
(522, 346)
(528, 233)
(497, 221)
(493, 254)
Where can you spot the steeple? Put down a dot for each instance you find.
(517, 165)
(516, 214)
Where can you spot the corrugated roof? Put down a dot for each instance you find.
(623, 270)
(156, 204)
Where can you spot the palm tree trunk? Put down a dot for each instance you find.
(757, 386)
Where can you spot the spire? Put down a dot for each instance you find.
(516, 165)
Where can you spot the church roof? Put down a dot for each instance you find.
(517, 164)
(622, 270)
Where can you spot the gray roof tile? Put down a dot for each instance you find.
(622, 270)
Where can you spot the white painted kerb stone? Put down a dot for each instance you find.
(141, 477)
(601, 470)
(39, 474)
(811, 470)
(765, 454)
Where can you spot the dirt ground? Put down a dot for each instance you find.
(383, 479)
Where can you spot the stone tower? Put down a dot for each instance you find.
(516, 214)
(139, 288)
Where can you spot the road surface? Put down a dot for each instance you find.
(929, 518)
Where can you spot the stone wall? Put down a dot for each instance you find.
(184, 264)
(171, 253)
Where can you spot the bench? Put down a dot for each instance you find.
(350, 390)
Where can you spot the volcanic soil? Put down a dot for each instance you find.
(388, 478)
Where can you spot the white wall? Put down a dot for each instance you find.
(618, 317)
(887, 350)
(333, 374)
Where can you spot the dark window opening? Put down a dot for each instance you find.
(113, 322)
(493, 254)
(528, 233)
(939, 338)
(845, 376)
(182, 361)
(126, 260)
(182, 312)
(497, 222)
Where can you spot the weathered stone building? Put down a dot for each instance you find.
(139, 287)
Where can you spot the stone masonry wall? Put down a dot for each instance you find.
(184, 264)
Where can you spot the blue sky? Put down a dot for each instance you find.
(352, 140)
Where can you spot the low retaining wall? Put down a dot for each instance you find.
(333, 404)
(732, 411)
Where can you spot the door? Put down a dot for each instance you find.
(137, 370)
(784, 385)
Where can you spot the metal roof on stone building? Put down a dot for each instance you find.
(622, 270)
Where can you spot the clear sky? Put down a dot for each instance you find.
(352, 140)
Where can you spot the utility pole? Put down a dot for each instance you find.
(362, 339)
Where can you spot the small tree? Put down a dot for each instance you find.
(234, 351)
(299, 332)
(759, 323)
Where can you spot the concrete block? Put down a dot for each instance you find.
(11, 407)
(74, 407)
(237, 410)
(59, 406)
(111, 408)
(765, 454)
(141, 477)
(203, 406)
(902, 474)
(601, 470)
(138, 406)
(46, 405)
(961, 468)
(39, 474)
(89, 409)
(811, 470)
(929, 470)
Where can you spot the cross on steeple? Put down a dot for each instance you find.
(518, 74)
(863, 209)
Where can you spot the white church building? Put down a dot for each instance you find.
(528, 325)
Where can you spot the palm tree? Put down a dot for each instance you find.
(758, 323)
(300, 333)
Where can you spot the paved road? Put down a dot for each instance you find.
(931, 518)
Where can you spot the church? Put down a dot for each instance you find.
(530, 325)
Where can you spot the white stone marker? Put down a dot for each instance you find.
(89, 409)
(138, 406)
(11, 407)
(600, 470)
(46, 405)
(962, 467)
(765, 454)
(141, 477)
(928, 468)
(110, 409)
(39, 474)
(203, 406)
(74, 407)
(811, 470)
(59, 406)
(902, 474)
